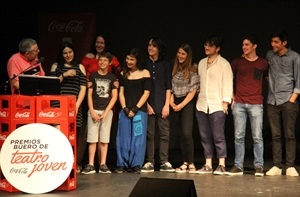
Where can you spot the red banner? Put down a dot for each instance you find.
(79, 28)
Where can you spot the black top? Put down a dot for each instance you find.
(133, 91)
(161, 76)
(102, 86)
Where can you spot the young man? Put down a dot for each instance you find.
(102, 96)
(158, 106)
(248, 71)
(216, 87)
(283, 107)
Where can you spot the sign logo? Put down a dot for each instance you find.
(36, 158)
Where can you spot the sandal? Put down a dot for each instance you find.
(182, 168)
(192, 169)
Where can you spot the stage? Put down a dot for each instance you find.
(121, 185)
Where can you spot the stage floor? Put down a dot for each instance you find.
(121, 185)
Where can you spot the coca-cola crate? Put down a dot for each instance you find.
(62, 117)
(55, 107)
(16, 107)
(8, 126)
(5, 185)
(67, 127)
(71, 182)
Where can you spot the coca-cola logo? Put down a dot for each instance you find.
(73, 26)
(3, 184)
(49, 114)
(22, 115)
(3, 114)
(72, 137)
(3, 137)
(72, 183)
(71, 113)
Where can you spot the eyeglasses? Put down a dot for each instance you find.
(34, 51)
(208, 45)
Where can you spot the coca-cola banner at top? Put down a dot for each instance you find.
(78, 28)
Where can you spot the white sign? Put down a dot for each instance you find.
(36, 158)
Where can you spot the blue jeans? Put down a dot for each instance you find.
(240, 113)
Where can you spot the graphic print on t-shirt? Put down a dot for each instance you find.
(102, 87)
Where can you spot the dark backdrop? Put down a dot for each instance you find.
(130, 24)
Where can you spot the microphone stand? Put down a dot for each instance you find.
(5, 84)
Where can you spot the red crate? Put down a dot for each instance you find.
(45, 109)
(67, 127)
(17, 107)
(8, 126)
(5, 185)
(71, 182)
(64, 115)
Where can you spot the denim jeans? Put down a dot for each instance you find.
(240, 113)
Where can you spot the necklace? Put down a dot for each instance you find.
(209, 63)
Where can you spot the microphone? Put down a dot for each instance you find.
(39, 60)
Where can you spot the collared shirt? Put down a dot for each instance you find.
(284, 76)
(18, 63)
(216, 85)
(160, 72)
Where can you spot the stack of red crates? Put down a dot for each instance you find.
(65, 116)
(15, 111)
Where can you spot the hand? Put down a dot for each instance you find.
(126, 110)
(69, 73)
(150, 109)
(165, 111)
(225, 107)
(134, 109)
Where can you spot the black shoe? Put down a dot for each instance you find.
(89, 169)
(259, 171)
(119, 170)
(136, 170)
(235, 171)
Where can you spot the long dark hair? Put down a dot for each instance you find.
(134, 52)
(60, 57)
(108, 43)
(161, 45)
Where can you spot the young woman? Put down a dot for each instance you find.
(90, 60)
(132, 128)
(73, 82)
(185, 84)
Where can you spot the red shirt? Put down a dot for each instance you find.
(248, 76)
(92, 65)
(17, 64)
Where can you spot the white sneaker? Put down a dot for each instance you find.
(291, 171)
(148, 167)
(274, 171)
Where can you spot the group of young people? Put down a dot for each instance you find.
(151, 92)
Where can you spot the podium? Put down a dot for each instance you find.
(19, 110)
